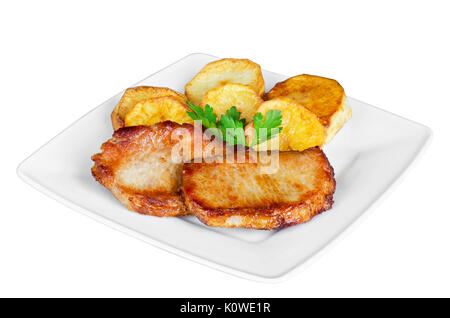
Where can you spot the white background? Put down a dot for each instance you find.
(59, 60)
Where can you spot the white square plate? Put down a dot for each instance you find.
(370, 152)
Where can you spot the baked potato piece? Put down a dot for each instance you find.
(155, 110)
(323, 96)
(301, 128)
(134, 95)
(218, 73)
(242, 96)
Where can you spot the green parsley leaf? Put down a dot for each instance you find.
(232, 127)
(207, 116)
(265, 130)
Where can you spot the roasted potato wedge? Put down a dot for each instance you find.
(301, 128)
(242, 96)
(222, 72)
(154, 110)
(134, 95)
(323, 96)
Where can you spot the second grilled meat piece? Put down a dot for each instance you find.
(246, 195)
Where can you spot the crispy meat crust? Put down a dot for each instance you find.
(242, 195)
(136, 166)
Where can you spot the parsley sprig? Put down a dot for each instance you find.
(231, 125)
(207, 116)
(268, 128)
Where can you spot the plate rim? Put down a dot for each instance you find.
(206, 262)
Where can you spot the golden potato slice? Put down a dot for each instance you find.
(242, 96)
(301, 128)
(323, 96)
(222, 72)
(134, 95)
(154, 110)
